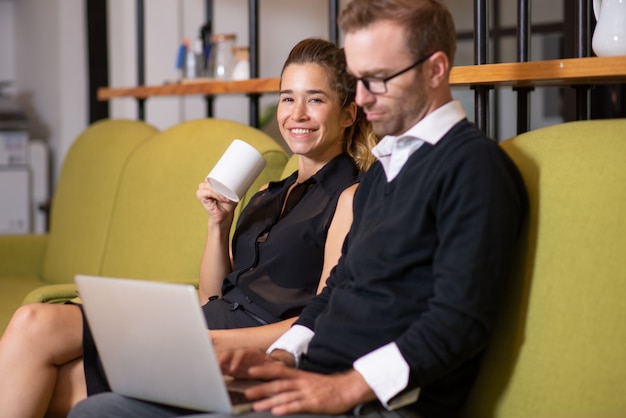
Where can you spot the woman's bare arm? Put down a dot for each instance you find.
(339, 227)
(216, 258)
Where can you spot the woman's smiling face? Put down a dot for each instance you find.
(309, 113)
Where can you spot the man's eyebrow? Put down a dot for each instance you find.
(366, 75)
(370, 73)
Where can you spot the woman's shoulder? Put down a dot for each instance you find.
(339, 173)
(347, 195)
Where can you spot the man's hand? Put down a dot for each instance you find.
(236, 362)
(293, 391)
(284, 357)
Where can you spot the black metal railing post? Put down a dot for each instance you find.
(582, 48)
(206, 34)
(523, 55)
(481, 93)
(253, 22)
(333, 29)
(141, 58)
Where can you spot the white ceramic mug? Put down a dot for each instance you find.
(236, 170)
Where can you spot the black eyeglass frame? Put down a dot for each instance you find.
(367, 80)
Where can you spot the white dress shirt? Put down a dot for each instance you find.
(394, 151)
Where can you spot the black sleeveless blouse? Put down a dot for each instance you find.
(278, 260)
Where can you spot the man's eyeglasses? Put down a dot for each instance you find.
(377, 85)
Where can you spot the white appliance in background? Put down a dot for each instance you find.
(23, 189)
(39, 163)
(14, 199)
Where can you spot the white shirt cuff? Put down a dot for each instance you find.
(295, 341)
(386, 371)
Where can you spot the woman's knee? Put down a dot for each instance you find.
(42, 322)
(28, 319)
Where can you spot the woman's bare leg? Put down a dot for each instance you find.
(70, 388)
(38, 351)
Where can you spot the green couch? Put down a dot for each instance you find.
(560, 347)
(125, 206)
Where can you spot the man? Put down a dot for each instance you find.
(407, 312)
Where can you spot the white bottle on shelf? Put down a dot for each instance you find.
(241, 70)
(191, 66)
(222, 55)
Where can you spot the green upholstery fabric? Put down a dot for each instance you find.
(53, 293)
(158, 228)
(85, 197)
(290, 167)
(22, 255)
(14, 288)
(145, 221)
(559, 349)
(81, 210)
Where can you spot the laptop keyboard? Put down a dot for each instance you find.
(237, 398)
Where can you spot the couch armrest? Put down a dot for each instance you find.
(22, 254)
(54, 293)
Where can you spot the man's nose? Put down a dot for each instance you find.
(363, 95)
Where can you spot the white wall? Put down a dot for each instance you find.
(46, 59)
(7, 40)
(169, 22)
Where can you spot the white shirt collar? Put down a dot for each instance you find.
(394, 151)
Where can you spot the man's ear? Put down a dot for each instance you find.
(439, 68)
(349, 114)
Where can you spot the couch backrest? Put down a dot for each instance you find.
(290, 167)
(159, 228)
(84, 196)
(558, 350)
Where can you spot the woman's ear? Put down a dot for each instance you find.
(349, 113)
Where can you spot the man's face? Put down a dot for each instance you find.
(379, 51)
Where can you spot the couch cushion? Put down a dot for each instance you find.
(159, 228)
(290, 167)
(559, 347)
(13, 290)
(84, 197)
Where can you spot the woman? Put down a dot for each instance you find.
(282, 252)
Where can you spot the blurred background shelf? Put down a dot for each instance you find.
(203, 87)
(561, 72)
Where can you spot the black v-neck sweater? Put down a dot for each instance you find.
(423, 267)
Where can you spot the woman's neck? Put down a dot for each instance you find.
(307, 167)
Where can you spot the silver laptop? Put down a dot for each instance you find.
(153, 342)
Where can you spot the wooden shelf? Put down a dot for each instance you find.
(563, 72)
(204, 87)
